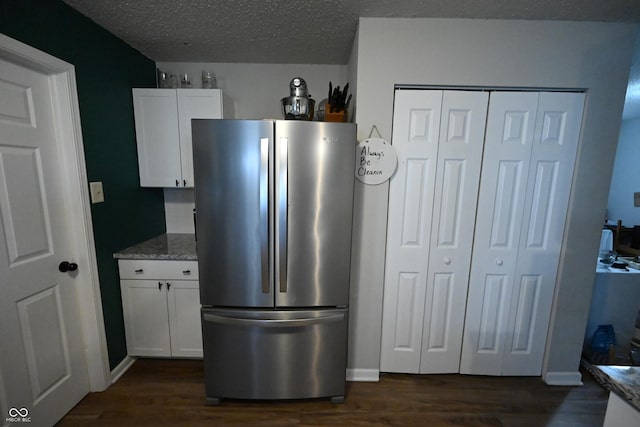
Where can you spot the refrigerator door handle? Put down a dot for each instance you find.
(272, 323)
(264, 213)
(282, 213)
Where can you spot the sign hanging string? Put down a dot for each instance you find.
(377, 131)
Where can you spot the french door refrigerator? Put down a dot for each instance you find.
(273, 203)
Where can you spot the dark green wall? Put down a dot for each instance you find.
(106, 70)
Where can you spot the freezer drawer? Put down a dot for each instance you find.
(266, 354)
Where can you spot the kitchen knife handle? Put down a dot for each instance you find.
(282, 212)
(264, 213)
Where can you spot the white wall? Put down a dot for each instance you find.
(250, 91)
(626, 175)
(533, 54)
(254, 91)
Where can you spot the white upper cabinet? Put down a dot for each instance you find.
(163, 132)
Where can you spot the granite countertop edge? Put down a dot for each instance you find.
(168, 246)
(622, 380)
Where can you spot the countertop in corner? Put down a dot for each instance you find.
(170, 246)
(622, 380)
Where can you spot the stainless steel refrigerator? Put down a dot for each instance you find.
(273, 203)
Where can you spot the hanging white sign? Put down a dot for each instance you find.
(376, 161)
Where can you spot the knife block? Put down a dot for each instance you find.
(340, 116)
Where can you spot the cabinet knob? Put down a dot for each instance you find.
(168, 286)
(186, 272)
(159, 286)
(499, 261)
(139, 271)
(177, 183)
(446, 260)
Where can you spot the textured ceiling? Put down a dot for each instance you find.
(302, 31)
(312, 32)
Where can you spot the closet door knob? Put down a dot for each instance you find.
(499, 261)
(446, 260)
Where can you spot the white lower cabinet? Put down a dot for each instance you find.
(161, 304)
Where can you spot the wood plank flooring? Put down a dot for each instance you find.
(156, 392)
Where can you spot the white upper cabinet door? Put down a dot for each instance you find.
(555, 143)
(163, 132)
(454, 210)
(194, 104)
(507, 151)
(157, 136)
(416, 131)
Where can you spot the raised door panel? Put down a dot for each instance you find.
(146, 318)
(157, 137)
(43, 368)
(415, 137)
(184, 318)
(556, 138)
(194, 104)
(459, 160)
(507, 151)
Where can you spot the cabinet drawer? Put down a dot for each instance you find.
(158, 269)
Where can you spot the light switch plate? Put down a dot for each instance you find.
(97, 194)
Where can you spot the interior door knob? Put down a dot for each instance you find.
(67, 266)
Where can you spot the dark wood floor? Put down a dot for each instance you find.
(171, 393)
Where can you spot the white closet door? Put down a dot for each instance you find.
(555, 144)
(415, 138)
(507, 151)
(526, 180)
(454, 210)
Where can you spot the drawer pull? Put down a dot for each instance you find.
(168, 286)
(139, 271)
(186, 272)
(159, 286)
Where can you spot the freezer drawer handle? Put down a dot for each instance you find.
(273, 323)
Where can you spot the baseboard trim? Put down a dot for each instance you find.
(363, 375)
(563, 378)
(122, 367)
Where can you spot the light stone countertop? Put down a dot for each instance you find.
(622, 380)
(171, 246)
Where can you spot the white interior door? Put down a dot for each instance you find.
(526, 179)
(438, 137)
(555, 142)
(42, 355)
(454, 209)
(416, 131)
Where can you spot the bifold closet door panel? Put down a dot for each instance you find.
(454, 209)
(522, 209)
(557, 132)
(507, 151)
(415, 137)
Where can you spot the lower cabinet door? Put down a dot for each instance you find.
(183, 298)
(146, 318)
(273, 354)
